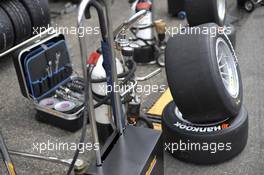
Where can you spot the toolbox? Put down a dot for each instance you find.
(46, 78)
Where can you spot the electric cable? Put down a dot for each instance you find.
(85, 119)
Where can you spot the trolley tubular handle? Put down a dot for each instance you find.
(127, 24)
(4, 152)
(100, 13)
(84, 55)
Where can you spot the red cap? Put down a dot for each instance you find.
(93, 58)
(144, 6)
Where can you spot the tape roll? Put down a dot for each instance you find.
(49, 102)
(65, 106)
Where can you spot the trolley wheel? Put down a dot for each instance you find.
(182, 15)
(249, 6)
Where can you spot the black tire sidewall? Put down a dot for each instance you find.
(215, 13)
(6, 31)
(38, 11)
(232, 34)
(20, 19)
(236, 134)
(202, 11)
(194, 78)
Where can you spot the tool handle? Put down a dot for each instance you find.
(100, 13)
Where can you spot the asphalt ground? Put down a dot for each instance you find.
(21, 130)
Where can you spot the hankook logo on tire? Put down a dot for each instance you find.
(201, 129)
